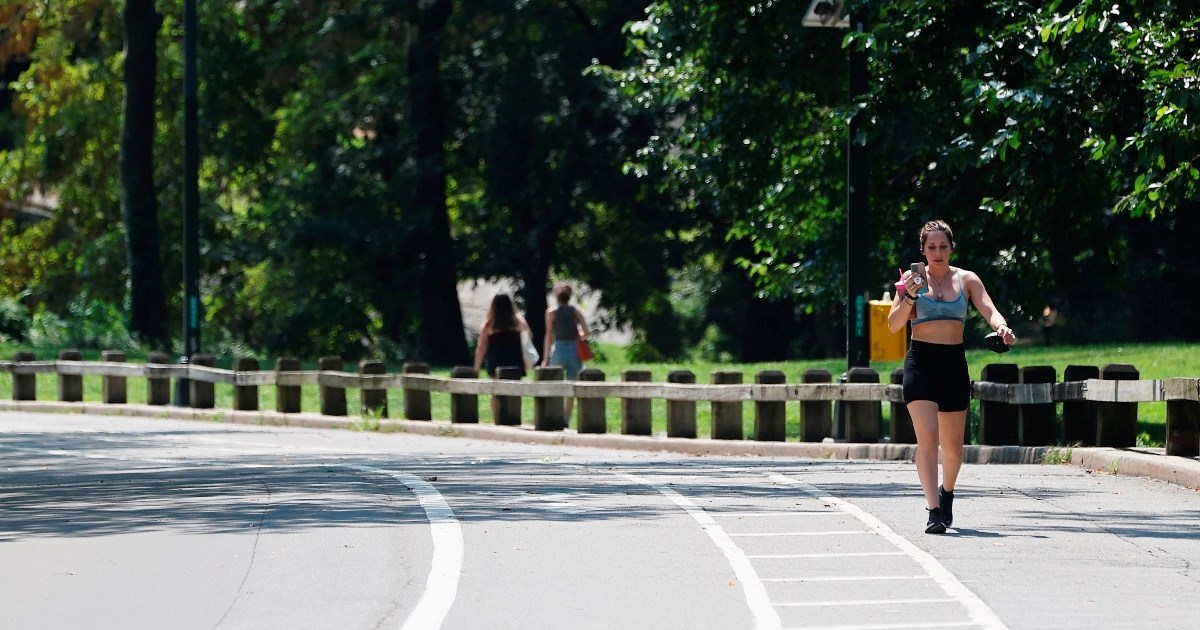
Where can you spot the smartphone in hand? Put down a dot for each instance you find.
(919, 277)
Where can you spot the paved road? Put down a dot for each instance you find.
(109, 522)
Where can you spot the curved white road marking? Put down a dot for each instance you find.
(979, 612)
(765, 617)
(442, 585)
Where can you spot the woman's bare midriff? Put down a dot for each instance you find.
(948, 332)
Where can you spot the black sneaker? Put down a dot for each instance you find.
(946, 502)
(935, 525)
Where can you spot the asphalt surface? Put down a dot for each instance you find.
(125, 522)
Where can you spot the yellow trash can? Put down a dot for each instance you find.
(886, 345)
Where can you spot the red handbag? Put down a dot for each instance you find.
(584, 350)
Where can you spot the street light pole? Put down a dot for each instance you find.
(857, 335)
(191, 200)
(829, 14)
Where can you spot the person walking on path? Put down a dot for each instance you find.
(500, 338)
(565, 326)
(937, 387)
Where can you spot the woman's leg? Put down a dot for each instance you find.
(952, 428)
(925, 423)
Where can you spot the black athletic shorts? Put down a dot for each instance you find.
(937, 372)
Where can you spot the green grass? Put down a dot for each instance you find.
(1154, 361)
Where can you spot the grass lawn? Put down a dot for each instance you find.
(1154, 361)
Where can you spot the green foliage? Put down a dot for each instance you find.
(87, 323)
(14, 319)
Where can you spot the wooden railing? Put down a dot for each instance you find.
(1016, 405)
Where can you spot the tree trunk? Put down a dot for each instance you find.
(442, 337)
(138, 196)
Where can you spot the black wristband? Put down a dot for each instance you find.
(910, 297)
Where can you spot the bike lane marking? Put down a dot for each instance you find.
(765, 616)
(979, 612)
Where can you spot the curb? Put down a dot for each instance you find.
(1182, 471)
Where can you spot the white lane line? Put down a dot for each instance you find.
(978, 611)
(870, 602)
(846, 554)
(765, 616)
(893, 626)
(846, 532)
(774, 514)
(850, 578)
(441, 587)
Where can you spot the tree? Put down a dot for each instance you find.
(147, 303)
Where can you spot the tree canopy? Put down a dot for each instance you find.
(686, 158)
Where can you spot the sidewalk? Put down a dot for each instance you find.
(1140, 462)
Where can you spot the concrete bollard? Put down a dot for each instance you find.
(1116, 424)
(681, 414)
(507, 410)
(999, 423)
(333, 399)
(372, 401)
(245, 397)
(70, 386)
(727, 422)
(770, 416)
(417, 404)
(549, 412)
(158, 389)
(636, 412)
(287, 397)
(113, 389)
(863, 418)
(201, 394)
(592, 411)
(464, 408)
(902, 430)
(1037, 423)
(1080, 416)
(816, 416)
(24, 385)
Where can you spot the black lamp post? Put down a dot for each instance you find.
(827, 14)
(191, 201)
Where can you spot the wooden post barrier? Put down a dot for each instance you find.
(1037, 422)
(727, 423)
(417, 404)
(24, 385)
(816, 416)
(549, 412)
(770, 417)
(681, 414)
(287, 397)
(1183, 424)
(333, 399)
(1116, 424)
(201, 394)
(902, 430)
(863, 418)
(158, 390)
(70, 386)
(464, 408)
(999, 423)
(372, 401)
(113, 389)
(636, 412)
(592, 413)
(245, 397)
(1080, 417)
(507, 410)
